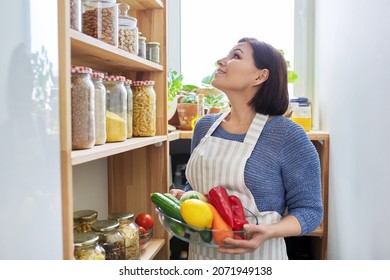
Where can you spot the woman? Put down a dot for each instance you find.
(257, 154)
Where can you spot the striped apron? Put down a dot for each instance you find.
(217, 161)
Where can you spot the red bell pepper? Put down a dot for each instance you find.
(219, 198)
(238, 212)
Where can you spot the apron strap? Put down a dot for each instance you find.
(255, 129)
(216, 123)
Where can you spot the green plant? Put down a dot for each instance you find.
(214, 101)
(189, 97)
(175, 85)
(292, 76)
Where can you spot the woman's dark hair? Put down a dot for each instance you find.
(272, 97)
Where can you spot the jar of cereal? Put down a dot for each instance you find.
(128, 31)
(83, 220)
(86, 247)
(144, 108)
(116, 108)
(83, 108)
(129, 108)
(130, 230)
(110, 238)
(100, 20)
(100, 108)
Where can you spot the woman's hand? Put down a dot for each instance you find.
(176, 193)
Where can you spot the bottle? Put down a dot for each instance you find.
(128, 31)
(200, 112)
(301, 112)
(100, 108)
(86, 247)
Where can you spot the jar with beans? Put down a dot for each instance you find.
(83, 108)
(129, 108)
(153, 51)
(100, 108)
(144, 108)
(130, 230)
(83, 220)
(111, 239)
(75, 15)
(86, 247)
(116, 108)
(100, 20)
(128, 31)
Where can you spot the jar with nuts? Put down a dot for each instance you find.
(111, 239)
(128, 31)
(100, 20)
(83, 219)
(83, 108)
(129, 108)
(86, 247)
(75, 15)
(100, 108)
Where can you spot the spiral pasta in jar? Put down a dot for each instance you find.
(129, 108)
(86, 247)
(110, 238)
(83, 219)
(144, 108)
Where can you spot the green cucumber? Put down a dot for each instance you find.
(171, 197)
(176, 228)
(169, 207)
(206, 235)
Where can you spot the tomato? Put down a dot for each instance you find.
(144, 220)
(142, 230)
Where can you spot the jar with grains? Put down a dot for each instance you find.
(116, 108)
(100, 108)
(129, 108)
(86, 247)
(83, 108)
(83, 220)
(142, 46)
(110, 238)
(144, 108)
(100, 20)
(75, 15)
(153, 51)
(130, 230)
(128, 31)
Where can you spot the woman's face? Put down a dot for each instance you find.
(237, 71)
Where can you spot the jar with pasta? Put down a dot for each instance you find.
(129, 108)
(100, 20)
(116, 108)
(100, 108)
(128, 30)
(83, 108)
(144, 108)
(130, 230)
(110, 238)
(86, 247)
(83, 220)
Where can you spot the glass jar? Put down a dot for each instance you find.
(130, 230)
(153, 51)
(301, 112)
(83, 108)
(128, 31)
(100, 108)
(129, 108)
(83, 220)
(75, 15)
(100, 20)
(110, 238)
(144, 108)
(142, 46)
(116, 108)
(86, 247)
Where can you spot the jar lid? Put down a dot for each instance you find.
(143, 83)
(128, 82)
(142, 38)
(153, 43)
(85, 215)
(120, 216)
(81, 70)
(115, 78)
(124, 18)
(99, 75)
(105, 226)
(85, 239)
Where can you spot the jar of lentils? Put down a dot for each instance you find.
(100, 108)
(144, 108)
(128, 31)
(116, 108)
(75, 15)
(83, 220)
(129, 108)
(83, 108)
(153, 51)
(130, 230)
(110, 238)
(86, 247)
(100, 20)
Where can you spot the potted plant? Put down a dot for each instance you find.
(215, 102)
(187, 109)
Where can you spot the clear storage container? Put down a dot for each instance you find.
(116, 108)
(100, 108)
(110, 238)
(100, 20)
(75, 15)
(83, 108)
(130, 230)
(153, 51)
(86, 247)
(83, 220)
(128, 30)
(142, 46)
(301, 112)
(129, 108)
(144, 108)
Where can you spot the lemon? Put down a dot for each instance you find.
(196, 212)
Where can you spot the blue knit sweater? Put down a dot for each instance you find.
(283, 171)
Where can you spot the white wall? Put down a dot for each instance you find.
(352, 58)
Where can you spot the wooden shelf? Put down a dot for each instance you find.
(144, 4)
(109, 149)
(88, 51)
(152, 249)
